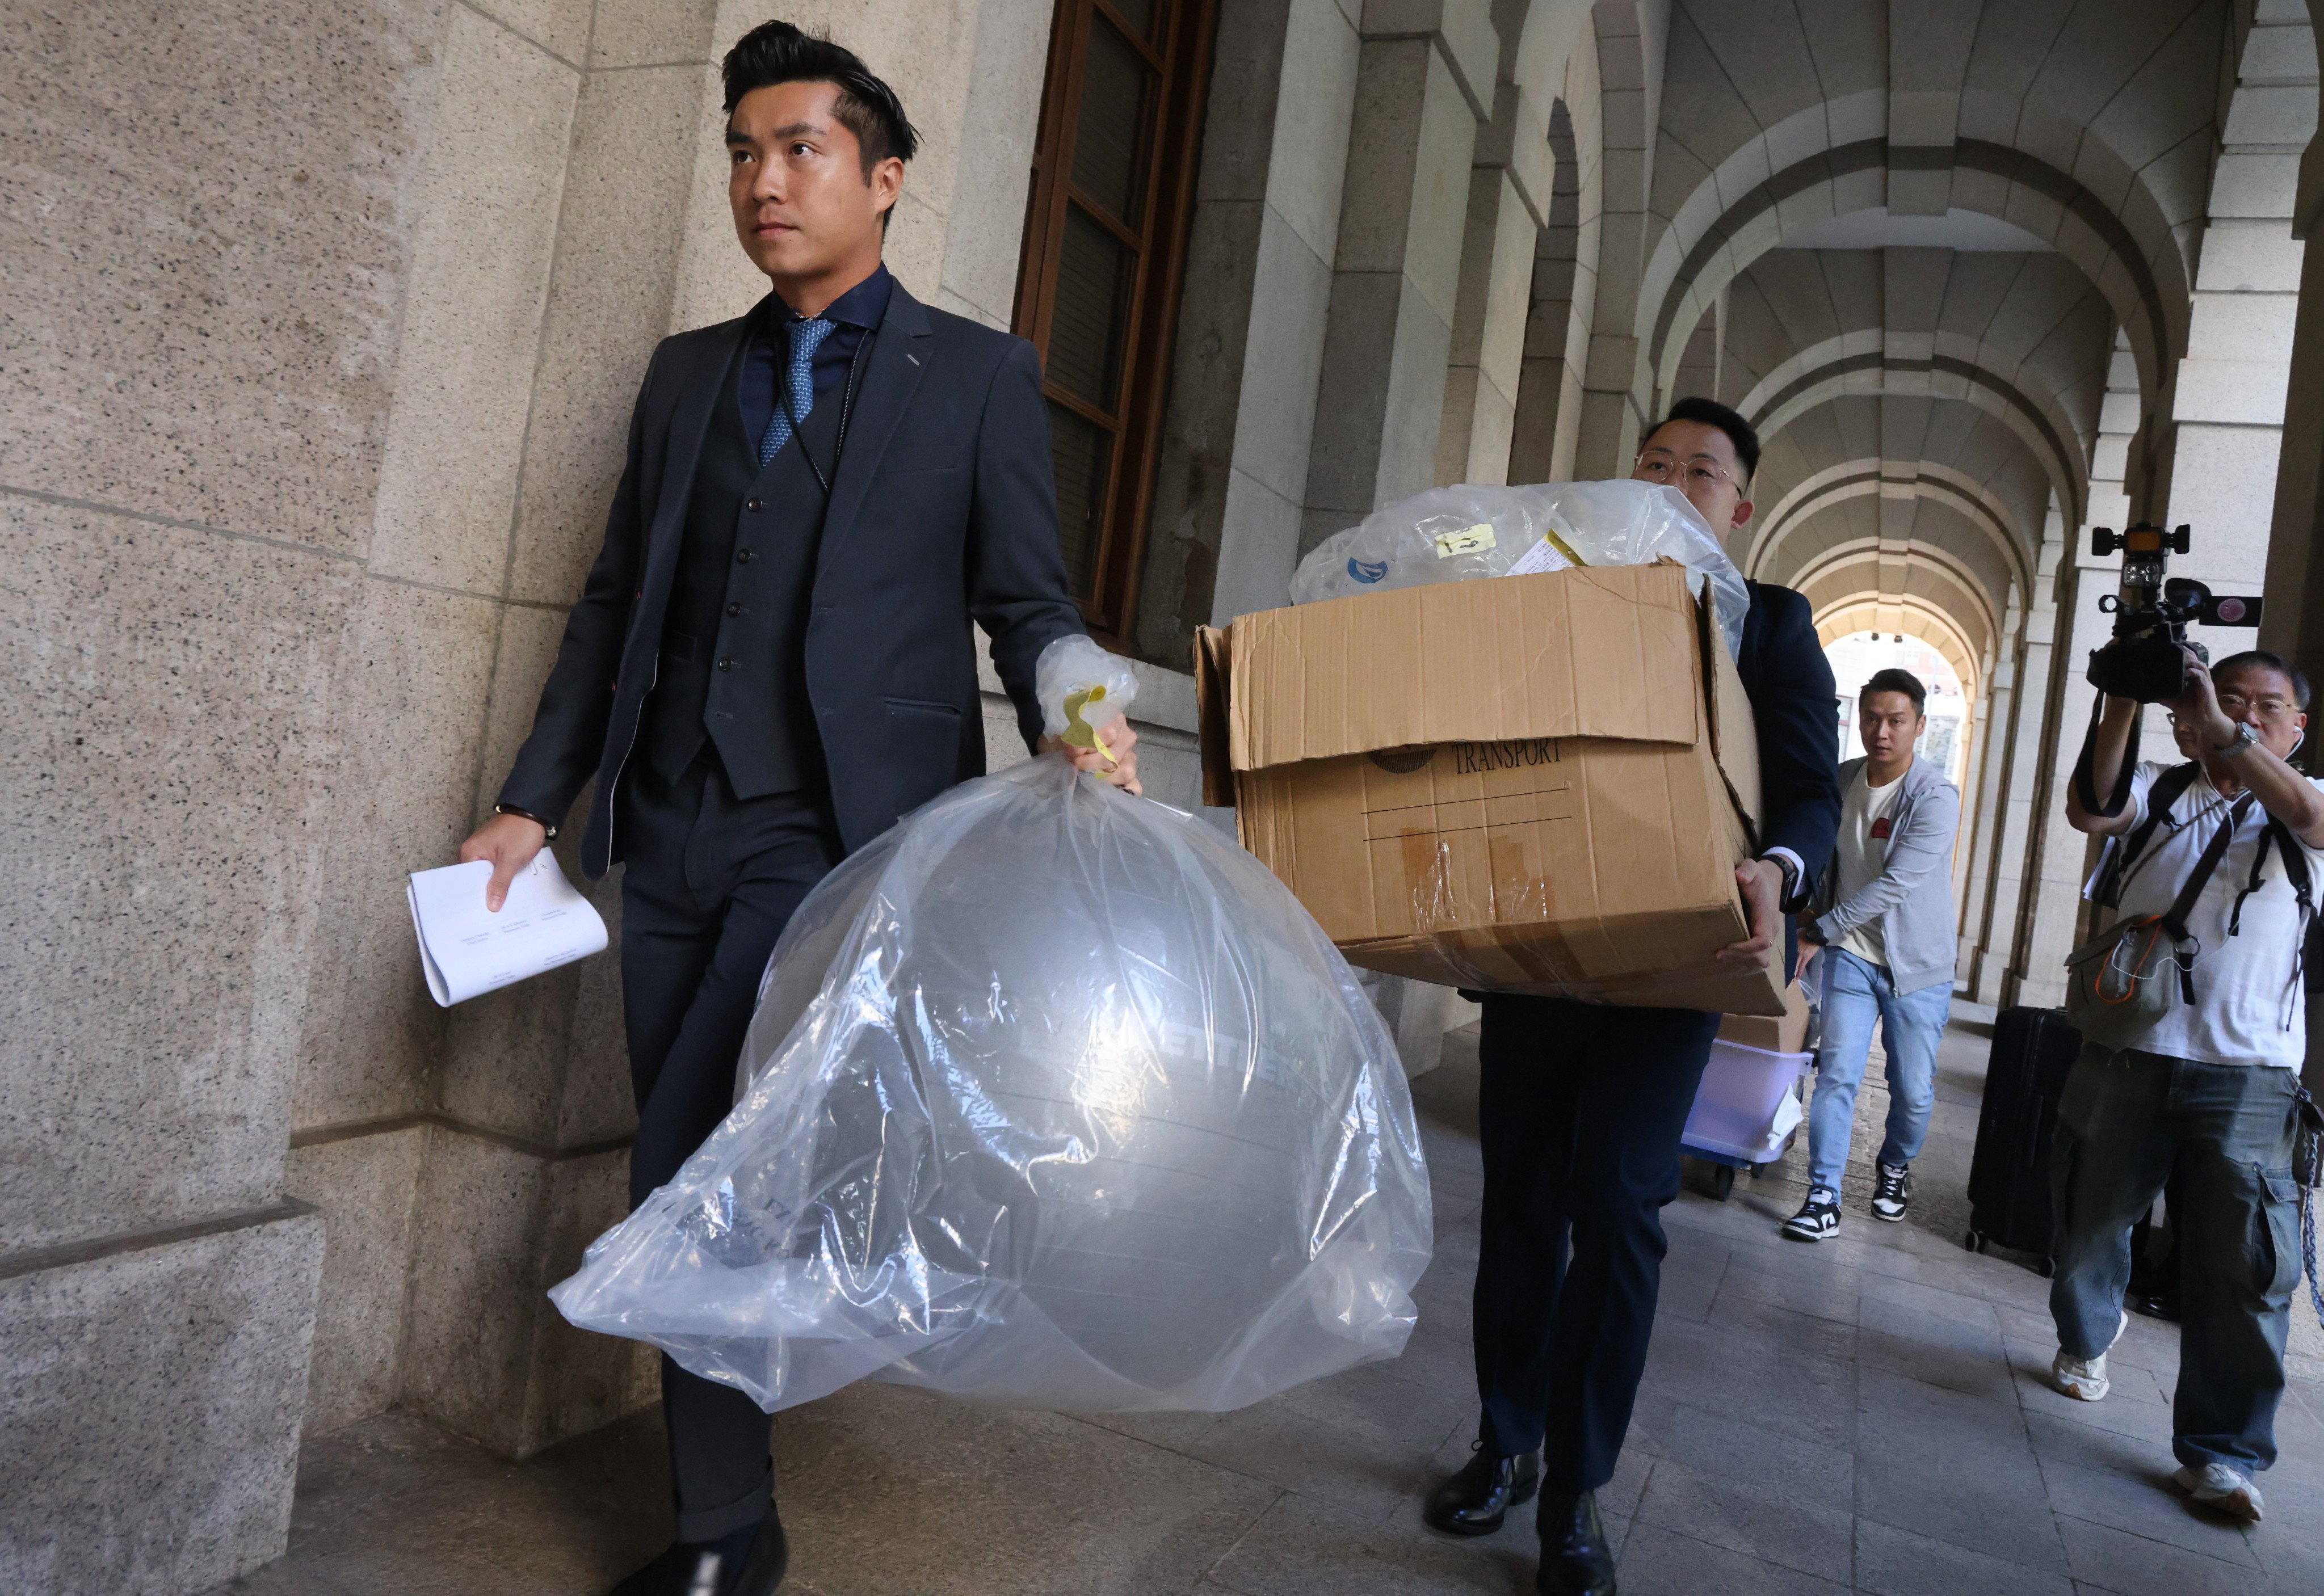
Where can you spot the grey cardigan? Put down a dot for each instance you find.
(1913, 896)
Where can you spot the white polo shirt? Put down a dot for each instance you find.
(2249, 1008)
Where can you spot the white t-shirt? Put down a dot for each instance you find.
(1863, 854)
(2249, 1008)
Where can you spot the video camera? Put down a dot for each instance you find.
(2151, 613)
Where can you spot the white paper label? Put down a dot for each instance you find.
(1469, 540)
(1541, 556)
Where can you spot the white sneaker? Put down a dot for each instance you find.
(2084, 1378)
(2221, 1487)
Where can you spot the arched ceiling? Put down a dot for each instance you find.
(1902, 238)
(2021, 337)
(1901, 450)
(2089, 124)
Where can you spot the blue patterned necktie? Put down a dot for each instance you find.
(807, 337)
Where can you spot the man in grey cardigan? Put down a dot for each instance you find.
(1885, 927)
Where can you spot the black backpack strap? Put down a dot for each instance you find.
(2295, 863)
(2085, 789)
(2257, 880)
(2168, 787)
(2295, 871)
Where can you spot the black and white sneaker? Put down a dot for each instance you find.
(1818, 1217)
(1894, 1193)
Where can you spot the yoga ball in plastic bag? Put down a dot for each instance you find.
(1055, 1096)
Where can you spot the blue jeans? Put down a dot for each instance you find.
(1857, 992)
(2122, 1120)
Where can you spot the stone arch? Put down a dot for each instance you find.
(1972, 612)
(1867, 612)
(1961, 369)
(1873, 476)
(1710, 241)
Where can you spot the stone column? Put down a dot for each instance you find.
(1981, 809)
(1615, 389)
(1563, 295)
(2049, 910)
(2227, 398)
(270, 383)
(2294, 624)
(2017, 750)
(1422, 76)
(1510, 204)
(1241, 422)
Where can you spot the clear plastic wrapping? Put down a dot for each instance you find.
(1055, 1096)
(1461, 533)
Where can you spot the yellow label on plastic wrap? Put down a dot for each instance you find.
(1469, 540)
(1079, 734)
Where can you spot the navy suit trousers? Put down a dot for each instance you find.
(711, 882)
(1579, 1112)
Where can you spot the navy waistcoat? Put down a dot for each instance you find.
(734, 664)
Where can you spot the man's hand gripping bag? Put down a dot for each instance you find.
(1054, 1098)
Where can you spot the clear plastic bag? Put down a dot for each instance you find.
(1461, 533)
(1054, 1098)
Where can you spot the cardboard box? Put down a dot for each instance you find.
(1786, 1032)
(1528, 783)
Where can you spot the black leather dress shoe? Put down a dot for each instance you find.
(1575, 1560)
(750, 1563)
(1475, 1500)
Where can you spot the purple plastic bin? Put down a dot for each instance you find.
(1736, 1104)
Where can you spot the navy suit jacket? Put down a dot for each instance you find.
(1793, 705)
(943, 512)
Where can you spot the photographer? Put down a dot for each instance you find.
(2211, 1081)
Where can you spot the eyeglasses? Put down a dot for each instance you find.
(1700, 470)
(2267, 708)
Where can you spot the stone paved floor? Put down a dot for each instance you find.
(1868, 1414)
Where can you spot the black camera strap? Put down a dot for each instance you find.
(2085, 788)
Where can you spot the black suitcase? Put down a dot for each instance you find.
(2009, 1172)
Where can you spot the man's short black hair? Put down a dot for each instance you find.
(777, 52)
(1711, 413)
(2261, 659)
(1896, 681)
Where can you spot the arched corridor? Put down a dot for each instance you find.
(323, 325)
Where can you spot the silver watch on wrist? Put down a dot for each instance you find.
(2244, 739)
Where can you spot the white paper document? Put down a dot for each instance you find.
(1545, 556)
(466, 949)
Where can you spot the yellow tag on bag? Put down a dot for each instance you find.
(1079, 733)
(1467, 540)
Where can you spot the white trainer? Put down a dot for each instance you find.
(2084, 1378)
(2220, 1486)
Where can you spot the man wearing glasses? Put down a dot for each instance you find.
(2211, 1086)
(1581, 1106)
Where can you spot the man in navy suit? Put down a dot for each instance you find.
(771, 659)
(1581, 1106)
